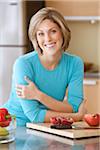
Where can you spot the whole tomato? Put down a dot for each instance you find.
(92, 119)
(3, 111)
(5, 123)
(5, 117)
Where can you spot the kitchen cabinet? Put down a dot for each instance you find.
(76, 8)
(92, 94)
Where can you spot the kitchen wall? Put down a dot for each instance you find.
(85, 40)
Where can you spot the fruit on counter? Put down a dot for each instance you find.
(5, 117)
(61, 121)
(92, 119)
(3, 132)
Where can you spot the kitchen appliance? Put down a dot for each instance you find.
(14, 21)
(12, 42)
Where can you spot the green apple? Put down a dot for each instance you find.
(3, 132)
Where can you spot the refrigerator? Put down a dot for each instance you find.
(13, 42)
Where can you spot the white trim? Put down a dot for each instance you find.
(82, 18)
(89, 82)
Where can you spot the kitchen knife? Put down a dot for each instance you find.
(82, 128)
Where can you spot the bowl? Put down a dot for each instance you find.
(7, 130)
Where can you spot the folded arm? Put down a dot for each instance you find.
(31, 92)
(76, 116)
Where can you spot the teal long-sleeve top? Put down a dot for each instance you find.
(68, 73)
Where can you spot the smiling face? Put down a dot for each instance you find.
(49, 37)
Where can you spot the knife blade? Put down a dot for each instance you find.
(82, 128)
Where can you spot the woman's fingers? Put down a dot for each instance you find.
(26, 91)
(19, 93)
(20, 90)
(19, 86)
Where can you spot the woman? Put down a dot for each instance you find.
(43, 76)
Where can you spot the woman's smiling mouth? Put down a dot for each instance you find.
(50, 45)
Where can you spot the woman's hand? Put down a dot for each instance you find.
(29, 91)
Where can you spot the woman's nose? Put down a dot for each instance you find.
(47, 37)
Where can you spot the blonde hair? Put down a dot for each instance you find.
(56, 17)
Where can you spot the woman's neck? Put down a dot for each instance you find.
(50, 62)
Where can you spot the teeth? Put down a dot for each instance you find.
(49, 45)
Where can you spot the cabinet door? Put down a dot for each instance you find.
(92, 94)
(76, 8)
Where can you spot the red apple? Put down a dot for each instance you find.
(92, 119)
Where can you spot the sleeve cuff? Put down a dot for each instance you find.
(41, 116)
(38, 116)
(75, 108)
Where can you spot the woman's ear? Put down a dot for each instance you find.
(37, 47)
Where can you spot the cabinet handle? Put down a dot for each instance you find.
(13, 3)
(89, 82)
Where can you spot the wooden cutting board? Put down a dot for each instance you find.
(70, 133)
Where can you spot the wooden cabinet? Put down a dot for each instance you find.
(76, 7)
(92, 94)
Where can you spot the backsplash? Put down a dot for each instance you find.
(85, 40)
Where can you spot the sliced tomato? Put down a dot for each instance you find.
(55, 120)
(61, 120)
(67, 121)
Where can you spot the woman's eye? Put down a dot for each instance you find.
(53, 31)
(40, 34)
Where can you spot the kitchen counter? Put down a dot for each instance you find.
(28, 139)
